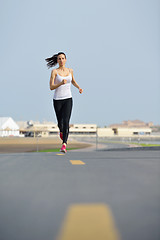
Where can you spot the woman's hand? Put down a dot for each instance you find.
(64, 81)
(80, 90)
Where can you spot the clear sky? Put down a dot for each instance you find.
(113, 47)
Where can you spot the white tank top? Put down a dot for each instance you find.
(64, 91)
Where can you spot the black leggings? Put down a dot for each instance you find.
(63, 109)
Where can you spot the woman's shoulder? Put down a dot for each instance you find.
(70, 70)
(54, 70)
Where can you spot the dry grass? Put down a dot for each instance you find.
(16, 145)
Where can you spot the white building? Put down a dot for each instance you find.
(83, 129)
(49, 129)
(43, 129)
(105, 132)
(132, 131)
(8, 127)
(132, 128)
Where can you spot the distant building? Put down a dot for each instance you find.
(31, 128)
(132, 124)
(8, 127)
(83, 129)
(49, 129)
(132, 128)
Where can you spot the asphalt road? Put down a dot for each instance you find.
(37, 189)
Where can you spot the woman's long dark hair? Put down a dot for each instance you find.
(52, 61)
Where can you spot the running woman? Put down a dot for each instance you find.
(60, 81)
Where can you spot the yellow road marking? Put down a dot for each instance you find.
(60, 154)
(77, 162)
(89, 222)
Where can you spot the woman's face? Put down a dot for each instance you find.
(61, 60)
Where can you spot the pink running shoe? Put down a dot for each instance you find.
(61, 136)
(63, 149)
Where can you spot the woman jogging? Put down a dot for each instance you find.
(60, 81)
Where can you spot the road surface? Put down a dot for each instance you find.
(95, 192)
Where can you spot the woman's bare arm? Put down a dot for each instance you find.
(52, 78)
(75, 83)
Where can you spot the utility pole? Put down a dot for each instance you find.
(96, 137)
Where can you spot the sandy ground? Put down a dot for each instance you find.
(17, 145)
